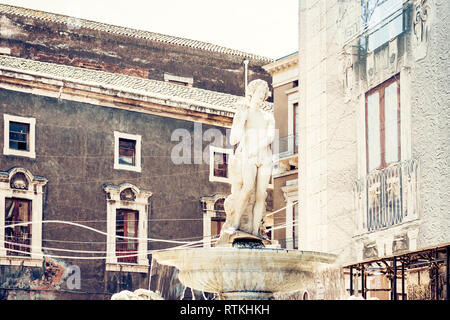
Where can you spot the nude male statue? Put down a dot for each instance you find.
(251, 168)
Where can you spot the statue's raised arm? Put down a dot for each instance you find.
(240, 117)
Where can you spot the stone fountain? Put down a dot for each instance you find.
(243, 264)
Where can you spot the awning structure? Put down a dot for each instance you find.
(395, 266)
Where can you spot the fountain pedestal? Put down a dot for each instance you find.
(245, 274)
(237, 238)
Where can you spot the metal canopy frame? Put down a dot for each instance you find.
(390, 265)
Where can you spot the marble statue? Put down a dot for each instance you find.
(253, 131)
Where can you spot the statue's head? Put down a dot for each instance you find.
(258, 89)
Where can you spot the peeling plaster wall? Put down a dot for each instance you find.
(31, 283)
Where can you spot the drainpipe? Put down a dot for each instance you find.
(363, 283)
(351, 280)
(394, 280)
(245, 75)
(447, 276)
(403, 279)
(436, 278)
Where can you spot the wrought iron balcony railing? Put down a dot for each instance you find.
(387, 197)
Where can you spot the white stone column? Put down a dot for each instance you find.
(36, 227)
(142, 234)
(111, 230)
(289, 225)
(207, 225)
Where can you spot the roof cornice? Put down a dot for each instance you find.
(69, 82)
(282, 64)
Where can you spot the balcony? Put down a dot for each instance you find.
(387, 197)
(285, 151)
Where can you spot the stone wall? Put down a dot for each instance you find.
(327, 133)
(430, 122)
(336, 71)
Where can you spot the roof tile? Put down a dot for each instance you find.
(220, 102)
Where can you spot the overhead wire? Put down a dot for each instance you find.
(138, 253)
(183, 243)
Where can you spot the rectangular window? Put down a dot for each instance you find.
(383, 20)
(296, 128)
(220, 164)
(19, 135)
(126, 226)
(127, 152)
(17, 237)
(216, 226)
(383, 125)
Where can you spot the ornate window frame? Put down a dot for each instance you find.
(31, 189)
(139, 203)
(31, 153)
(120, 135)
(209, 213)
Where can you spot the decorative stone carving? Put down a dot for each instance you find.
(400, 243)
(421, 28)
(347, 76)
(19, 181)
(393, 53)
(370, 250)
(127, 195)
(251, 166)
(370, 67)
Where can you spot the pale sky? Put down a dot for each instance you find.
(265, 27)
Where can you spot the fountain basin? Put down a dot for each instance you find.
(241, 273)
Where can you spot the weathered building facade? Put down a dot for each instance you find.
(105, 139)
(48, 37)
(284, 73)
(373, 182)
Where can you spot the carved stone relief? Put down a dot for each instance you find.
(347, 75)
(421, 28)
(19, 181)
(400, 243)
(127, 195)
(370, 250)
